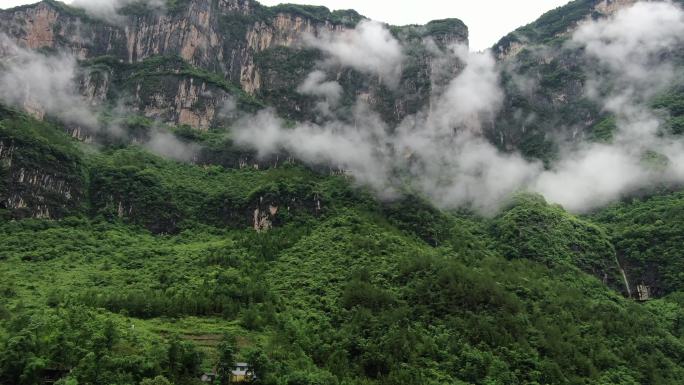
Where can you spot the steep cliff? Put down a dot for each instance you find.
(195, 63)
(248, 48)
(139, 241)
(546, 77)
(551, 105)
(557, 23)
(41, 171)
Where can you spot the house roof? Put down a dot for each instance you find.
(240, 369)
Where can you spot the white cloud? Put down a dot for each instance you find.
(369, 48)
(631, 50)
(166, 144)
(592, 177)
(441, 154)
(42, 84)
(48, 86)
(358, 147)
(629, 43)
(317, 85)
(437, 153)
(109, 9)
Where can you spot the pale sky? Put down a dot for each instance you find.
(488, 20)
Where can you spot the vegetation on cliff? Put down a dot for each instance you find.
(359, 291)
(120, 267)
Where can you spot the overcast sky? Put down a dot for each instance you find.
(488, 20)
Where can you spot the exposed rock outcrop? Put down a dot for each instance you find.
(222, 37)
(33, 190)
(186, 101)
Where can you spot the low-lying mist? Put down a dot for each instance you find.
(440, 152)
(49, 85)
(110, 10)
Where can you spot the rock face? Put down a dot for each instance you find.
(51, 25)
(37, 179)
(191, 65)
(185, 101)
(544, 81)
(556, 23)
(222, 38)
(609, 7)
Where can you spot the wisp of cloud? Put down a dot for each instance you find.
(109, 10)
(631, 47)
(42, 84)
(441, 153)
(369, 48)
(47, 85)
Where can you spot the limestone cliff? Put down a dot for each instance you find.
(39, 177)
(544, 81)
(232, 39)
(557, 23)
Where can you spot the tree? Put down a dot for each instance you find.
(226, 359)
(258, 364)
(184, 359)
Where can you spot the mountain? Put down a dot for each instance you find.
(557, 97)
(187, 184)
(253, 49)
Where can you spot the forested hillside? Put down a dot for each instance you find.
(352, 289)
(187, 187)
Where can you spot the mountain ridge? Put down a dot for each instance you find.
(161, 219)
(248, 33)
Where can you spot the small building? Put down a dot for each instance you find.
(643, 292)
(241, 373)
(209, 378)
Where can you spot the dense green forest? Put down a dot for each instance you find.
(122, 267)
(354, 291)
